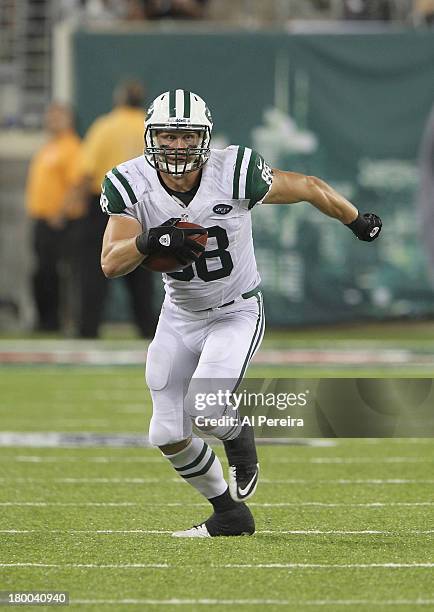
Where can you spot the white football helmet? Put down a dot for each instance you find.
(177, 109)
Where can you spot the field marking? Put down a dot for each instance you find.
(95, 531)
(56, 439)
(67, 459)
(205, 504)
(256, 602)
(345, 481)
(353, 460)
(340, 504)
(313, 532)
(72, 504)
(15, 354)
(91, 565)
(284, 460)
(296, 566)
(264, 481)
(290, 566)
(346, 532)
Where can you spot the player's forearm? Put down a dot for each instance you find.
(330, 202)
(120, 257)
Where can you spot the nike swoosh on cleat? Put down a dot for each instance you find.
(246, 489)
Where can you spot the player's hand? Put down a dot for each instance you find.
(366, 227)
(167, 238)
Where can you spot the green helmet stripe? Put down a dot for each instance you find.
(172, 103)
(187, 104)
(236, 184)
(125, 185)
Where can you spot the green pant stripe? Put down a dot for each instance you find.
(259, 328)
(261, 331)
(125, 185)
(236, 184)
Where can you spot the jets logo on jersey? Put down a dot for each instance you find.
(222, 209)
(164, 240)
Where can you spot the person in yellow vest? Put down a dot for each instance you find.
(51, 175)
(112, 138)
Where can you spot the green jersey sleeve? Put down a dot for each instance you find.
(117, 195)
(253, 177)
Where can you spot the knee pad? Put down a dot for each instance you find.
(161, 434)
(159, 363)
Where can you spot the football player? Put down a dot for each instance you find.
(212, 320)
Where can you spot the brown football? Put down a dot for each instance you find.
(168, 263)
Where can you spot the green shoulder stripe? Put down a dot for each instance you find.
(259, 179)
(125, 185)
(111, 200)
(249, 176)
(236, 183)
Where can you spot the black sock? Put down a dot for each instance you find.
(223, 502)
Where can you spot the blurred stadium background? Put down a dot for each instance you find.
(310, 88)
(337, 88)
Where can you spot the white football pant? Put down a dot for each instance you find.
(206, 351)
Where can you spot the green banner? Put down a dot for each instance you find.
(347, 108)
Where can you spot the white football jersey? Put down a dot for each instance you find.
(233, 180)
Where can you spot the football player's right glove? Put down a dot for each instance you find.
(366, 227)
(167, 238)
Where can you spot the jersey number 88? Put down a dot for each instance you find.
(201, 265)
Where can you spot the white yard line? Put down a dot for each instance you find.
(72, 504)
(255, 602)
(76, 354)
(346, 532)
(313, 532)
(90, 565)
(74, 439)
(203, 504)
(345, 481)
(291, 566)
(70, 459)
(296, 566)
(353, 460)
(341, 504)
(264, 481)
(157, 459)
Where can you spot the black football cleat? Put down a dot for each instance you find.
(243, 464)
(243, 481)
(236, 522)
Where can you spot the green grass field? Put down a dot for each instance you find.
(347, 525)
